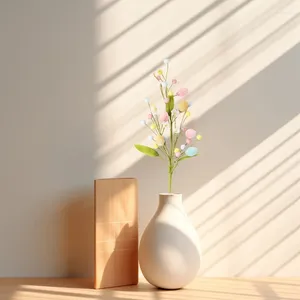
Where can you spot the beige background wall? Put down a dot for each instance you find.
(73, 78)
(47, 136)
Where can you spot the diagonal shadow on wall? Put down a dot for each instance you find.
(161, 42)
(231, 129)
(229, 69)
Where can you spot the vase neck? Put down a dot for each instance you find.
(169, 198)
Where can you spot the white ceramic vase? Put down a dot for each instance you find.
(169, 251)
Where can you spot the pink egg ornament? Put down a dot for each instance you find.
(190, 133)
(182, 92)
(164, 117)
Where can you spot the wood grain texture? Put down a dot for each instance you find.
(199, 289)
(116, 232)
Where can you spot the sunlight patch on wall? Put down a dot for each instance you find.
(238, 213)
(227, 56)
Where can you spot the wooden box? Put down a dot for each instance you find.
(116, 232)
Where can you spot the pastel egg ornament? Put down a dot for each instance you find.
(190, 133)
(164, 84)
(153, 126)
(191, 151)
(164, 117)
(182, 106)
(182, 92)
(160, 140)
(153, 108)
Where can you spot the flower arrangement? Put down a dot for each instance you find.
(169, 123)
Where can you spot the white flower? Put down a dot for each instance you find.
(143, 122)
(164, 84)
(166, 61)
(147, 100)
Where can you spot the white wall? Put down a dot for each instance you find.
(240, 60)
(47, 136)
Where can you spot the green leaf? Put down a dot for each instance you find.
(185, 157)
(146, 150)
(170, 105)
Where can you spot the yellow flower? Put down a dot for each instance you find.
(188, 114)
(199, 137)
(183, 106)
(155, 146)
(160, 140)
(160, 71)
(176, 150)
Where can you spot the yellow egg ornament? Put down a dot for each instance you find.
(153, 108)
(152, 126)
(183, 105)
(160, 140)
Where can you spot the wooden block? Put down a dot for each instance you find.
(116, 232)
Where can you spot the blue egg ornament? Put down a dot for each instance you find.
(191, 151)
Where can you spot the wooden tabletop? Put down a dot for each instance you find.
(199, 289)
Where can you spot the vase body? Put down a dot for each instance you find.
(169, 251)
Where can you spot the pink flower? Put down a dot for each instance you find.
(174, 81)
(164, 117)
(190, 133)
(166, 100)
(182, 92)
(150, 116)
(177, 154)
(188, 141)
